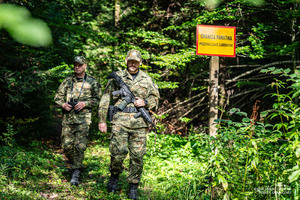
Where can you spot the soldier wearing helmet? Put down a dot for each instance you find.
(77, 94)
(128, 133)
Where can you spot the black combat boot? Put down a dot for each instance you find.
(112, 185)
(75, 177)
(133, 191)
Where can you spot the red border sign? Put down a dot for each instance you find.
(216, 40)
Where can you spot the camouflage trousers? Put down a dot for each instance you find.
(74, 139)
(123, 140)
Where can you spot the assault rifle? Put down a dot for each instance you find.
(129, 97)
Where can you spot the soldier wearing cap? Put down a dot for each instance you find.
(77, 94)
(128, 133)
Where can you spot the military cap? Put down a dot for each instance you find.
(79, 59)
(134, 55)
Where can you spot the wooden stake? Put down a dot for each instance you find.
(213, 94)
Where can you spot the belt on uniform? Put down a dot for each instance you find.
(112, 110)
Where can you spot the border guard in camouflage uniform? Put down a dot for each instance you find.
(128, 133)
(77, 94)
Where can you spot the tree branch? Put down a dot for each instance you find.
(248, 91)
(189, 111)
(181, 103)
(259, 68)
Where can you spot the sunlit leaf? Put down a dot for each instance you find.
(242, 114)
(294, 176)
(22, 27)
(298, 152)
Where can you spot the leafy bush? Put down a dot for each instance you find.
(255, 157)
(19, 164)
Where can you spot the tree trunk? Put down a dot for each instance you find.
(293, 34)
(117, 27)
(117, 13)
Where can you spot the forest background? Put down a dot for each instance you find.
(255, 154)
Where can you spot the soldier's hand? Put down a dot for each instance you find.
(67, 107)
(139, 102)
(79, 106)
(102, 127)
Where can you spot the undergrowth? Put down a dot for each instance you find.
(249, 158)
(175, 168)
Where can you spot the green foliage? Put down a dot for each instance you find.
(18, 164)
(286, 110)
(13, 127)
(25, 97)
(239, 163)
(8, 137)
(256, 39)
(172, 170)
(164, 31)
(247, 158)
(154, 39)
(252, 158)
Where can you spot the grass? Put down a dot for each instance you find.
(40, 172)
(174, 168)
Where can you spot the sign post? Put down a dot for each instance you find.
(215, 41)
(213, 94)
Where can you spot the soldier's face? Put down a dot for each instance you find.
(133, 66)
(79, 68)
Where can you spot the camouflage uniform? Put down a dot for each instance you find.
(75, 126)
(129, 133)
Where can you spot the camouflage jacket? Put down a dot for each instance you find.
(142, 86)
(90, 95)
